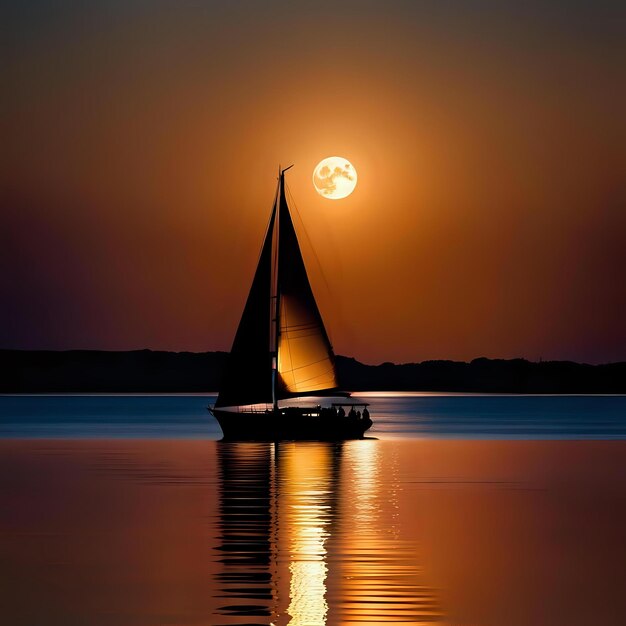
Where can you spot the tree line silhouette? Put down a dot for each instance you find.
(40, 371)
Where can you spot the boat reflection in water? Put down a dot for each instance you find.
(308, 535)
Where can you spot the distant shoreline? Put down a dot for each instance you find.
(354, 393)
(148, 372)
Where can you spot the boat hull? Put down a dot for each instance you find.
(288, 424)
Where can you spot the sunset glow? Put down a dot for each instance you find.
(312, 313)
(141, 158)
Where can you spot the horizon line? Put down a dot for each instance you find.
(478, 358)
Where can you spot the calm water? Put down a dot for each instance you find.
(465, 533)
(465, 511)
(395, 415)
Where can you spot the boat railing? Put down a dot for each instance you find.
(254, 409)
(305, 410)
(311, 410)
(350, 404)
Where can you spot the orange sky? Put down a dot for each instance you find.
(489, 140)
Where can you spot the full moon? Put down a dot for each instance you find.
(334, 178)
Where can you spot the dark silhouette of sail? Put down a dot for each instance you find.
(306, 363)
(248, 375)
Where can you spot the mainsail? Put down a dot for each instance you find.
(293, 331)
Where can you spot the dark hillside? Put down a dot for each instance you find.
(150, 371)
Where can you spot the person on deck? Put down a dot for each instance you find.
(366, 413)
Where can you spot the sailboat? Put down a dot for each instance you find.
(281, 352)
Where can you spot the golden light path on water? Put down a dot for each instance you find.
(307, 489)
(338, 507)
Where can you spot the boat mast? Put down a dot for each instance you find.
(274, 298)
(276, 289)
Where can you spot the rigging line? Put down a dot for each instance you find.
(301, 334)
(266, 232)
(288, 340)
(292, 203)
(309, 364)
(267, 227)
(306, 380)
(330, 369)
(302, 326)
(297, 328)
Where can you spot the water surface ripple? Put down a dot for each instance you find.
(308, 534)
